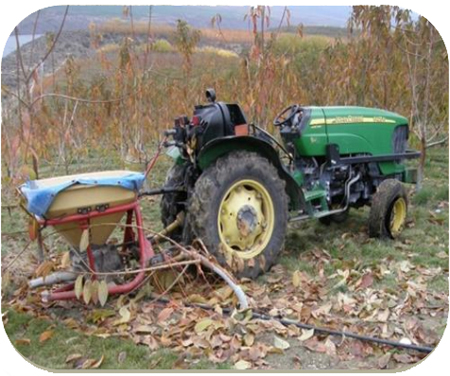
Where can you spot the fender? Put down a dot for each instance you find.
(218, 147)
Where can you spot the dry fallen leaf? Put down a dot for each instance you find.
(78, 286)
(71, 323)
(296, 280)
(94, 291)
(102, 293)
(187, 342)
(405, 266)
(87, 291)
(330, 347)
(384, 360)
(125, 316)
(145, 329)
(306, 334)
(65, 260)
(44, 269)
(121, 357)
(366, 281)
(314, 344)
(152, 343)
(323, 310)
(281, 343)
(242, 364)
(33, 229)
(73, 357)
(84, 240)
(45, 336)
(165, 314)
(98, 363)
(100, 315)
(383, 315)
(202, 325)
(249, 339)
(89, 363)
(442, 255)
(405, 341)
(403, 358)
(23, 341)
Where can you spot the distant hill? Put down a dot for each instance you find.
(326, 31)
(80, 17)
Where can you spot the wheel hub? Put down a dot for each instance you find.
(247, 220)
(244, 213)
(398, 216)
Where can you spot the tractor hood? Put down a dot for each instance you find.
(354, 130)
(352, 114)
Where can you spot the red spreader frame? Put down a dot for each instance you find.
(145, 248)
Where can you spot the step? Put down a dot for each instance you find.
(314, 194)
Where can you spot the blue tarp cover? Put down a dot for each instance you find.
(40, 197)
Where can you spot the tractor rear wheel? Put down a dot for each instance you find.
(239, 209)
(388, 211)
(173, 203)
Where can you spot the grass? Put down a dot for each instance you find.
(211, 35)
(423, 196)
(64, 342)
(52, 353)
(421, 243)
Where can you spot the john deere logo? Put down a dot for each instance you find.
(347, 119)
(380, 119)
(350, 120)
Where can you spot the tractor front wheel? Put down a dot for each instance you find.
(239, 210)
(388, 211)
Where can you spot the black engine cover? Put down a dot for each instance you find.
(217, 120)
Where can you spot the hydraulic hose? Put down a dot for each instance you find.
(287, 322)
(380, 341)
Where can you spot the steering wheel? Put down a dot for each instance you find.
(282, 119)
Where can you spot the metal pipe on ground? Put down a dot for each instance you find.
(287, 322)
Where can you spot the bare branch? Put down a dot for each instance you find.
(83, 100)
(33, 38)
(149, 30)
(19, 52)
(437, 131)
(443, 141)
(172, 285)
(281, 21)
(17, 96)
(49, 51)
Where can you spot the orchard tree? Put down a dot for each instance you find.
(397, 61)
(186, 39)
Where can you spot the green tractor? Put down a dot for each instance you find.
(235, 186)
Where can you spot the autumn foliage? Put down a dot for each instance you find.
(115, 104)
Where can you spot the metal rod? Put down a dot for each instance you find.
(274, 140)
(88, 216)
(161, 191)
(331, 212)
(379, 158)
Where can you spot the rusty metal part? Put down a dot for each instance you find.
(166, 231)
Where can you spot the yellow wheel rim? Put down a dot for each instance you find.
(398, 216)
(246, 219)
